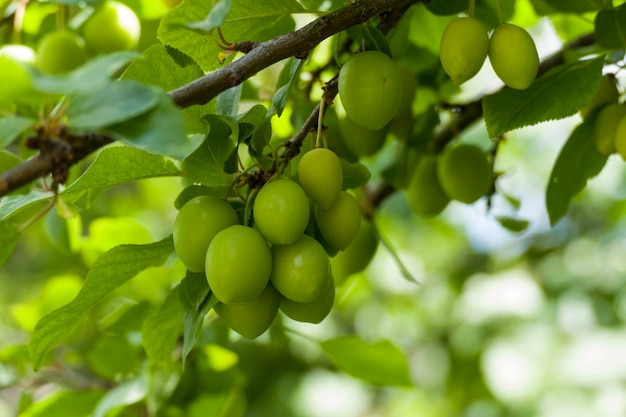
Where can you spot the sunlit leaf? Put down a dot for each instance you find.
(286, 79)
(126, 393)
(9, 235)
(380, 363)
(215, 18)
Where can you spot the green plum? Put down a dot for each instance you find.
(339, 224)
(370, 88)
(605, 128)
(620, 137)
(605, 94)
(320, 176)
(60, 52)
(311, 312)
(464, 173)
(463, 48)
(238, 264)
(357, 255)
(425, 195)
(112, 27)
(300, 271)
(513, 56)
(281, 211)
(15, 81)
(251, 318)
(197, 222)
(359, 140)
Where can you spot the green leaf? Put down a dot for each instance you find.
(118, 165)
(577, 162)
(246, 18)
(575, 6)
(285, 81)
(196, 301)
(261, 136)
(11, 127)
(9, 235)
(249, 121)
(375, 40)
(161, 131)
(158, 67)
(115, 102)
(550, 97)
(126, 393)
(380, 363)
(355, 174)
(12, 204)
(107, 273)
(447, 7)
(610, 28)
(228, 101)
(215, 18)
(65, 404)
(206, 164)
(160, 331)
(512, 224)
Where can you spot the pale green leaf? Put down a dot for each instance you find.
(215, 18)
(161, 331)
(64, 403)
(196, 301)
(380, 363)
(246, 18)
(108, 272)
(128, 392)
(9, 235)
(577, 162)
(286, 79)
(550, 97)
(228, 102)
(11, 127)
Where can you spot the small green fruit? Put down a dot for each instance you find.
(620, 137)
(314, 311)
(238, 264)
(281, 211)
(425, 194)
(605, 94)
(464, 173)
(197, 222)
(60, 52)
(300, 271)
(370, 88)
(339, 224)
(321, 176)
(605, 128)
(358, 255)
(252, 318)
(15, 81)
(112, 27)
(513, 56)
(463, 48)
(359, 140)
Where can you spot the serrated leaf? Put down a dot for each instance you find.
(11, 127)
(196, 301)
(550, 97)
(161, 130)
(610, 28)
(115, 102)
(216, 17)
(355, 174)
(160, 331)
(577, 162)
(375, 40)
(286, 79)
(206, 164)
(512, 224)
(246, 18)
(159, 67)
(108, 272)
(124, 394)
(380, 363)
(9, 235)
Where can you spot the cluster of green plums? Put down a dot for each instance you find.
(462, 173)
(281, 262)
(111, 27)
(609, 132)
(465, 45)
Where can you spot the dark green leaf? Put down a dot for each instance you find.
(380, 363)
(11, 127)
(196, 301)
(160, 331)
(115, 102)
(355, 174)
(575, 6)
(109, 271)
(447, 7)
(550, 97)
(214, 19)
(577, 162)
(9, 235)
(610, 28)
(512, 224)
(261, 136)
(375, 40)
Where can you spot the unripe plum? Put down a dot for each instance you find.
(464, 173)
(238, 264)
(357, 255)
(252, 318)
(620, 137)
(281, 211)
(605, 128)
(370, 88)
(300, 271)
(605, 94)
(321, 176)
(339, 224)
(425, 194)
(112, 27)
(197, 222)
(513, 56)
(60, 52)
(359, 140)
(311, 312)
(463, 48)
